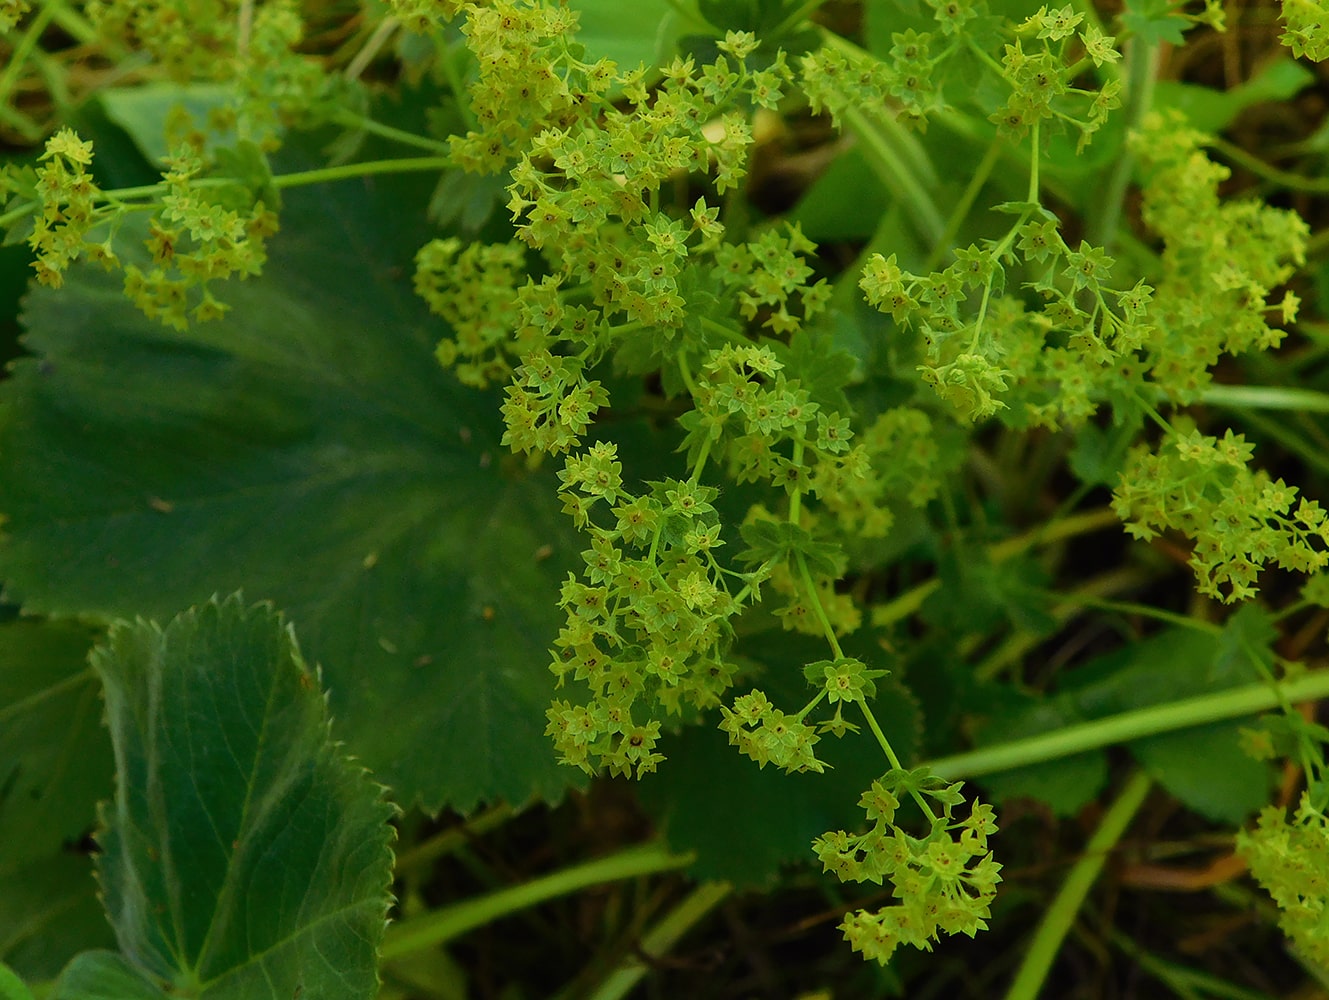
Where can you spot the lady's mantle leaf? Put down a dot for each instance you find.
(244, 856)
(307, 449)
(54, 760)
(49, 911)
(104, 975)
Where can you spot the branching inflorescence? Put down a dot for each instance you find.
(627, 256)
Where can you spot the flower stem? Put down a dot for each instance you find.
(439, 926)
(1185, 713)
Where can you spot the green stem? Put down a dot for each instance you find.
(728, 332)
(1058, 919)
(1283, 178)
(1032, 195)
(890, 167)
(1266, 397)
(439, 926)
(344, 116)
(894, 759)
(325, 175)
(814, 599)
(796, 17)
(20, 123)
(796, 495)
(449, 840)
(1186, 713)
(384, 31)
(965, 205)
(77, 27)
(1142, 60)
(1145, 611)
(347, 171)
(658, 941)
(1022, 642)
(18, 58)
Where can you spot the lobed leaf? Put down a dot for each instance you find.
(49, 913)
(244, 855)
(309, 449)
(54, 759)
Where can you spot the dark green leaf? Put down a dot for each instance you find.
(1065, 785)
(1152, 21)
(1213, 110)
(1206, 768)
(55, 760)
(104, 975)
(641, 32)
(1203, 767)
(745, 823)
(310, 450)
(244, 855)
(825, 214)
(978, 595)
(49, 912)
(142, 111)
(1100, 453)
(779, 541)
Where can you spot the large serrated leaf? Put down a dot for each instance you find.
(244, 855)
(309, 450)
(54, 757)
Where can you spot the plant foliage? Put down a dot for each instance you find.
(471, 346)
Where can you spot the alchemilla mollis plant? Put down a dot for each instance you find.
(726, 430)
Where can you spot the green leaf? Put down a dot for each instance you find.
(142, 111)
(1203, 767)
(978, 595)
(1213, 110)
(244, 855)
(777, 541)
(641, 32)
(1206, 768)
(11, 987)
(825, 214)
(104, 975)
(745, 823)
(1100, 453)
(1066, 785)
(1153, 21)
(309, 449)
(54, 757)
(49, 912)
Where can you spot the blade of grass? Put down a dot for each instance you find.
(1057, 921)
(661, 938)
(439, 926)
